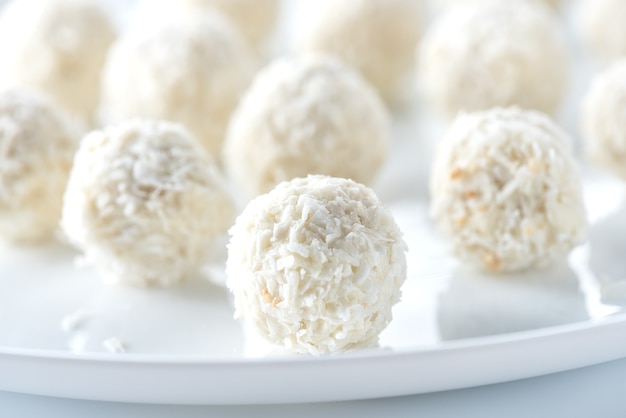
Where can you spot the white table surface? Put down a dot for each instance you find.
(596, 391)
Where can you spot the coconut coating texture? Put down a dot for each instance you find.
(316, 264)
(254, 18)
(494, 53)
(601, 26)
(306, 115)
(58, 47)
(376, 37)
(37, 144)
(506, 192)
(191, 70)
(603, 117)
(145, 203)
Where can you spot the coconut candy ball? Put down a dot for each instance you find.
(37, 144)
(601, 26)
(603, 117)
(306, 115)
(316, 264)
(145, 203)
(255, 19)
(505, 190)
(376, 37)
(191, 70)
(57, 47)
(494, 53)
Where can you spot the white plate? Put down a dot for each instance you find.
(60, 327)
(454, 328)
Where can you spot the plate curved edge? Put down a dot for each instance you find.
(359, 375)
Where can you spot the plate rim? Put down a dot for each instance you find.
(471, 362)
(617, 319)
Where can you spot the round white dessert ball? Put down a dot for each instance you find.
(145, 203)
(601, 26)
(316, 265)
(494, 53)
(376, 37)
(255, 19)
(604, 119)
(191, 70)
(506, 191)
(58, 47)
(306, 115)
(37, 145)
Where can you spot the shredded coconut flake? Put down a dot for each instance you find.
(494, 53)
(37, 144)
(114, 345)
(604, 118)
(506, 192)
(335, 296)
(191, 70)
(57, 47)
(375, 37)
(306, 115)
(75, 320)
(145, 202)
